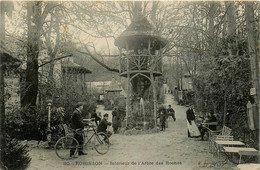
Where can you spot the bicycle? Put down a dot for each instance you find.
(67, 143)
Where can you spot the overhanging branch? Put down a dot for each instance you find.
(99, 62)
(59, 58)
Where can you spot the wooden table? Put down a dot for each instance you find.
(237, 149)
(248, 166)
(224, 142)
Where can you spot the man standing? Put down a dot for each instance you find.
(171, 112)
(190, 117)
(77, 124)
(115, 120)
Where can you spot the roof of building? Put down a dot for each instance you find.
(72, 66)
(113, 86)
(138, 33)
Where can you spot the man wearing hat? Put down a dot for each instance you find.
(77, 124)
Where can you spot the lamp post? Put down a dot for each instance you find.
(49, 102)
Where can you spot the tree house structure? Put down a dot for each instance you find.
(140, 55)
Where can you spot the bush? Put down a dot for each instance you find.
(14, 123)
(30, 123)
(22, 123)
(16, 155)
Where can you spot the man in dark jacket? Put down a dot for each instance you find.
(77, 124)
(115, 120)
(190, 116)
(102, 127)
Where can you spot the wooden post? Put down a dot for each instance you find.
(154, 95)
(128, 86)
(153, 84)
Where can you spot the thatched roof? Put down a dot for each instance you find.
(138, 33)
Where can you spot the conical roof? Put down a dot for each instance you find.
(138, 33)
(113, 86)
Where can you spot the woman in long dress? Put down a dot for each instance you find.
(193, 130)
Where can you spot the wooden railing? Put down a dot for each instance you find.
(141, 63)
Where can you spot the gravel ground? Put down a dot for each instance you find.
(171, 149)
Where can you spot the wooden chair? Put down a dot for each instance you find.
(218, 149)
(225, 131)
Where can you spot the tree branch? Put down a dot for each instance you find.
(59, 58)
(98, 61)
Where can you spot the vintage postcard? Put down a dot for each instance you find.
(132, 85)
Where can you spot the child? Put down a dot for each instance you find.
(102, 127)
(162, 120)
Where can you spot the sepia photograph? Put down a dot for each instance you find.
(129, 85)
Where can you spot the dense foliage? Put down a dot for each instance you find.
(30, 122)
(16, 155)
(222, 86)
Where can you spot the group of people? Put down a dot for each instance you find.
(199, 131)
(164, 114)
(78, 124)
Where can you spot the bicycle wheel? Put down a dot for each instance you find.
(65, 145)
(102, 143)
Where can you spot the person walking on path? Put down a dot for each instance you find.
(162, 118)
(171, 112)
(193, 130)
(77, 124)
(115, 120)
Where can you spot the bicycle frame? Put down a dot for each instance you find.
(85, 135)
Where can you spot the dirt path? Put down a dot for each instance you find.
(171, 149)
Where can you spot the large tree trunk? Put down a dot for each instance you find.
(254, 58)
(137, 11)
(31, 74)
(211, 30)
(231, 23)
(153, 13)
(2, 91)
